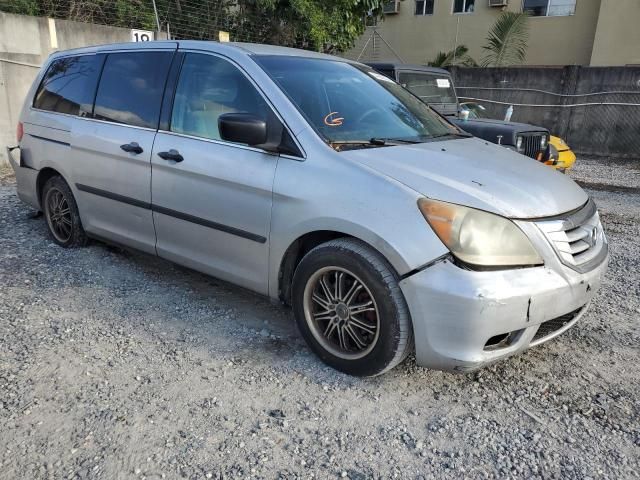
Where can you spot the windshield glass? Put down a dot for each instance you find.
(430, 88)
(475, 110)
(347, 103)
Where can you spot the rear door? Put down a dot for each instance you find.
(111, 148)
(212, 198)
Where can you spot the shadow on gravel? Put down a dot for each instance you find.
(607, 187)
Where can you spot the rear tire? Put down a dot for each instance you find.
(350, 309)
(61, 213)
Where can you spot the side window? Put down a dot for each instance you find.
(69, 85)
(131, 88)
(209, 87)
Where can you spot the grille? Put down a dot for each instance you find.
(551, 326)
(531, 144)
(577, 238)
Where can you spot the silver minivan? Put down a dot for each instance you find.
(320, 183)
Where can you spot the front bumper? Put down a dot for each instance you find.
(464, 320)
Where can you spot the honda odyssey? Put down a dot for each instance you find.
(318, 182)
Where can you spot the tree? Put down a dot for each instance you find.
(458, 56)
(322, 25)
(507, 40)
(24, 7)
(327, 26)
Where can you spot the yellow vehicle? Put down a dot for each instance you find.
(557, 155)
(565, 159)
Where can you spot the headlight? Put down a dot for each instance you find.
(550, 155)
(477, 237)
(519, 143)
(543, 142)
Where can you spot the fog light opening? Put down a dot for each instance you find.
(496, 340)
(503, 340)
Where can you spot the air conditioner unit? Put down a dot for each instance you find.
(498, 3)
(391, 7)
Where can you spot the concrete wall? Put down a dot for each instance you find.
(25, 42)
(617, 39)
(417, 39)
(607, 127)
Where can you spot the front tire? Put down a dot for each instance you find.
(61, 213)
(350, 309)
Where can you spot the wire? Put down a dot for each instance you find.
(618, 104)
(622, 92)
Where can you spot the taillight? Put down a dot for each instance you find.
(19, 132)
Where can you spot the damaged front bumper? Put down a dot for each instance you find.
(464, 320)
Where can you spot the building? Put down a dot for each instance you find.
(562, 32)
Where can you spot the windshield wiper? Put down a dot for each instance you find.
(386, 141)
(373, 142)
(450, 134)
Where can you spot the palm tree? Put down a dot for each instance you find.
(507, 40)
(458, 56)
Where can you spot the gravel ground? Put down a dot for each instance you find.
(120, 365)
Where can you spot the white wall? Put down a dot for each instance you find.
(25, 43)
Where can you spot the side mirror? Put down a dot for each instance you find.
(243, 128)
(248, 128)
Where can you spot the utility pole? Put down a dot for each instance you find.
(155, 11)
(455, 45)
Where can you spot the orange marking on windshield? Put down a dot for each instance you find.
(333, 122)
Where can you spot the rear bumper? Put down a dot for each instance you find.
(26, 178)
(464, 320)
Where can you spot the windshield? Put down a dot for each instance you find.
(430, 88)
(475, 110)
(346, 103)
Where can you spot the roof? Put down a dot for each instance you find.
(407, 66)
(264, 49)
(246, 48)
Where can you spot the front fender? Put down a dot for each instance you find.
(352, 200)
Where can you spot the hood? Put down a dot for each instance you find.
(523, 127)
(477, 174)
(489, 129)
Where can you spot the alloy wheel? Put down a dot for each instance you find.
(58, 215)
(341, 312)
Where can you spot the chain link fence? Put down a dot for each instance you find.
(176, 19)
(595, 109)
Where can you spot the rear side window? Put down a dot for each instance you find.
(69, 85)
(131, 87)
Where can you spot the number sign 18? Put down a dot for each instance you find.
(141, 35)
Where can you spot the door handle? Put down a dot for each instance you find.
(171, 155)
(132, 147)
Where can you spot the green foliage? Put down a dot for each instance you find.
(324, 25)
(459, 56)
(507, 40)
(25, 7)
(329, 26)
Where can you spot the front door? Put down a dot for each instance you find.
(111, 148)
(211, 198)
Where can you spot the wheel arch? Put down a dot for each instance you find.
(303, 243)
(43, 175)
(294, 253)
